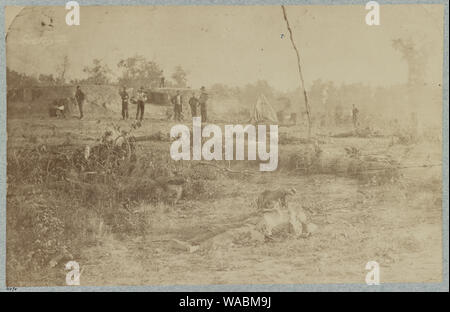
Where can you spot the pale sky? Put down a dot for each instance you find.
(234, 45)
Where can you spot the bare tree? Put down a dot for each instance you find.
(62, 69)
(299, 70)
(413, 57)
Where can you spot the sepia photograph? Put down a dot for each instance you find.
(174, 145)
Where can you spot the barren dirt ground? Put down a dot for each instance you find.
(398, 225)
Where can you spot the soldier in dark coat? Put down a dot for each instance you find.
(177, 106)
(124, 96)
(193, 103)
(79, 97)
(355, 113)
(202, 100)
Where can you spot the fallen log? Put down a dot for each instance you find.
(359, 133)
(158, 136)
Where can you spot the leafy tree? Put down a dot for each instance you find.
(317, 96)
(180, 77)
(62, 69)
(47, 80)
(138, 71)
(98, 73)
(19, 80)
(251, 92)
(222, 91)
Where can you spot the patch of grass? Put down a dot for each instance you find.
(59, 200)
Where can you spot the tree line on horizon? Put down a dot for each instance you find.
(134, 71)
(328, 100)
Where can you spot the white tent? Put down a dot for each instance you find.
(263, 111)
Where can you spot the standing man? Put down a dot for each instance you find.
(79, 97)
(161, 80)
(177, 106)
(202, 100)
(141, 99)
(124, 95)
(193, 103)
(355, 113)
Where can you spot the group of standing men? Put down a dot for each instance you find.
(141, 98)
(197, 105)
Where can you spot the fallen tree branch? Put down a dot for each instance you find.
(224, 168)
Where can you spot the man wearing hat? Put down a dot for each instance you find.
(193, 103)
(202, 100)
(141, 99)
(177, 106)
(79, 97)
(124, 95)
(355, 113)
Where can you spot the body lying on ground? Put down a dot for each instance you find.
(256, 230)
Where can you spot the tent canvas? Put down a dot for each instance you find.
(263, 111)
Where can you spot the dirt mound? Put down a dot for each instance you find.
(100, 100)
